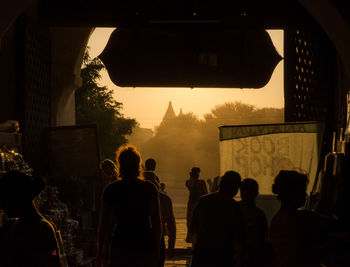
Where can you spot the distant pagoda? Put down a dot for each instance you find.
(170, 113)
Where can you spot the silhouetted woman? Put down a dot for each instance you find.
(196, 188)
(135, 206)
(26, 239)
(295, 234)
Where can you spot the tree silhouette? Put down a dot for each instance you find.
(95, 104)
(238, 113)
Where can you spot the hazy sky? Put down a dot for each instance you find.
(148, 105)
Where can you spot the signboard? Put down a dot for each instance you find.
(73, 150)
(73, 153)
(261, 151)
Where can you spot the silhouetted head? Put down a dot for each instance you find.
(249, 189)
(195, 172)
(150, 164)
(129, 161)
(17, 191)
(109, 168)
(230, 183)
(290, 187)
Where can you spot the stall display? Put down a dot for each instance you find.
(48, 202)
(330, 191)
(11, 160)
(54, 210)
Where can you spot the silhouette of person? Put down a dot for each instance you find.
(214, 185)
(295, 234)
(148, 173)
(169, 226)
(109, 171)
(218, 226)
(196, 188)
(27, 238)
(135, 204)
(256, 224)
(166, 211)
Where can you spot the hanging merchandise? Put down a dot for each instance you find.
(330, 187)
(2, 162)
(49, 206)
(11, 160)
(57, 212)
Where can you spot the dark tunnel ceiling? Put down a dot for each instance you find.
(140, 14)
(104, 13)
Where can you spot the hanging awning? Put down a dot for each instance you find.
(190, 55)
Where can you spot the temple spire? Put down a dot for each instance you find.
(170, 113)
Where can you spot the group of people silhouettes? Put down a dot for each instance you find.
(136, 215)
(225, 232)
